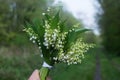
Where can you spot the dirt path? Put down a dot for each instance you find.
(98, 68)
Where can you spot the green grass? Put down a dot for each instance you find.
(109, 70)
(18, 64)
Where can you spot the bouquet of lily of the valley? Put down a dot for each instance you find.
(56, 41)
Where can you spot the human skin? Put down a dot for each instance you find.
(35, 76)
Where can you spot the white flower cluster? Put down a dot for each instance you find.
(60, 41)
(50, 37)
(53, 38)
(33, 36)
(75, 54)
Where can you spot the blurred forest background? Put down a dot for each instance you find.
(19, 57)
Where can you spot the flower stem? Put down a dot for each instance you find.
(44, 71)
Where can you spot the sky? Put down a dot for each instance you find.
(84, 10)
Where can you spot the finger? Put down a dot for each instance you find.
(35, 75)
(48, 78)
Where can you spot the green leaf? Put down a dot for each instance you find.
(48, 17)
(73, 36)
(55, 20)
(63, 27)
(78, 31)
(39, 28)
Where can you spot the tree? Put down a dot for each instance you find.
(110, 25)
(13, 14)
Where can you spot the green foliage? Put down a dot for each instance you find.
(90, 37)
(13, 14)
(15, 63)
(110, 25)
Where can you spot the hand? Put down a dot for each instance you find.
(35, 76)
